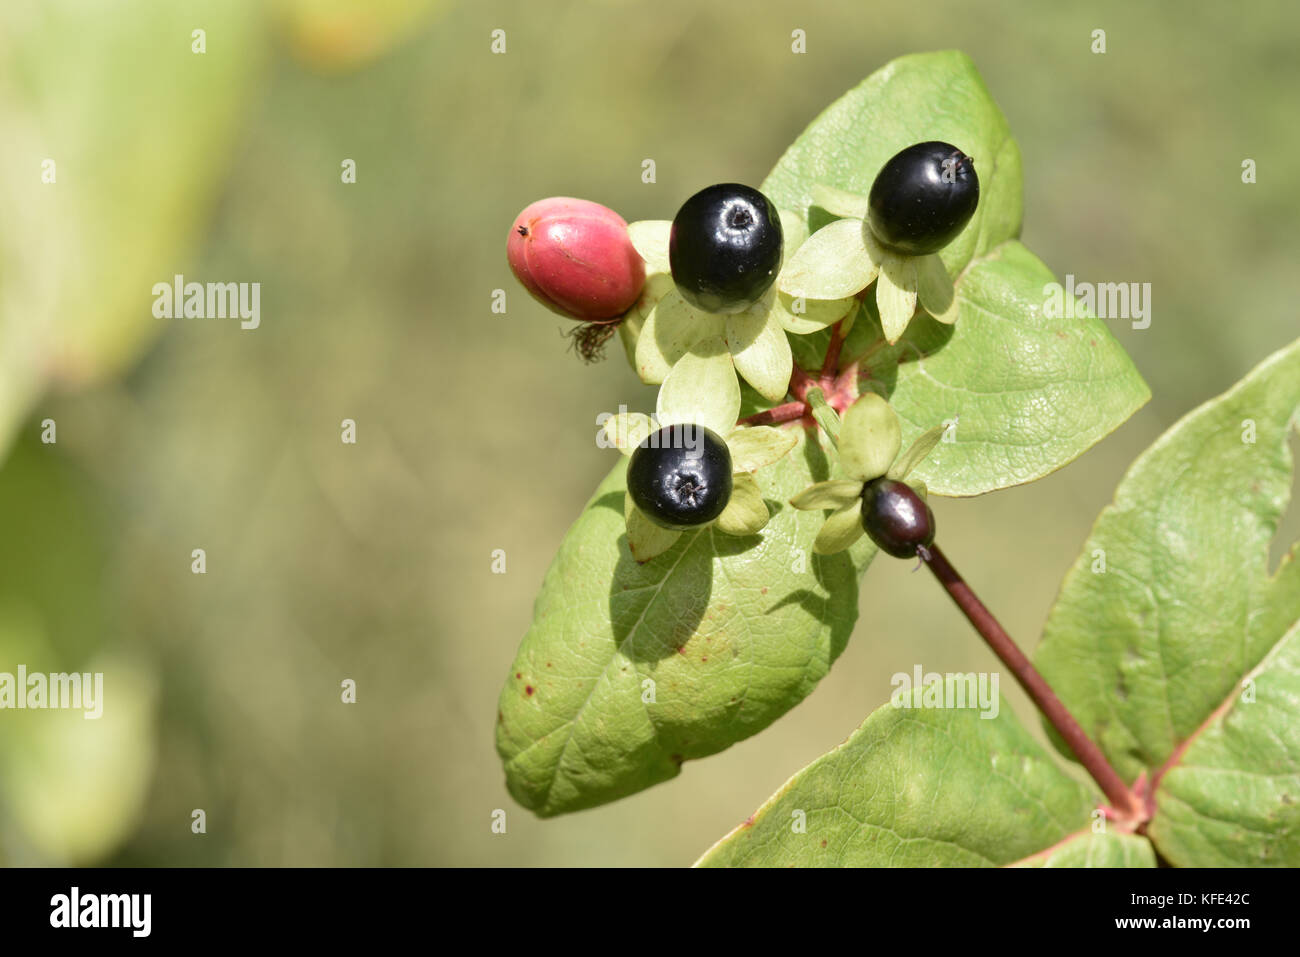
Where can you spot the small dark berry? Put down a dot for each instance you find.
(922, 198)
(725, 248)
(680, 476)
(896, 518)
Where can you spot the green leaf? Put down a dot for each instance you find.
(1086, 849)
(733, 632)
(1028, 393)
(1171, 607)
(926, 96)
(917, 787)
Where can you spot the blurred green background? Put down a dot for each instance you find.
(476, 431)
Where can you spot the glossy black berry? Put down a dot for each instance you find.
(922, 198)
(725, 247)
(680, 476)
(896, 518)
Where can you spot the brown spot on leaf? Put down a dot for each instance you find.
(529, 689)
(823, 842)
(519, 674)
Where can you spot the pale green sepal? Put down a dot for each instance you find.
(869, 438)
(746, 513)
(627, 430)
(935, 290)
(839, 202)
(761, 351)
(836, 493)
(896, 295)
(842, 529)
(832, 264)
(701, 388)
(915, 453)
(756, 446)
(650, 239)
(645, 539)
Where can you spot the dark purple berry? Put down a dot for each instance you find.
(680, 476)
(725, 247)
(896, 518)
(922, 198)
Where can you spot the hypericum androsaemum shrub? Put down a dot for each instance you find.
(858, 336)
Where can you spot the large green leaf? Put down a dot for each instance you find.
(1027, 393)
(918, 787)
(732, 633)
(1153, 649)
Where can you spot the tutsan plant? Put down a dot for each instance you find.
(900, 353)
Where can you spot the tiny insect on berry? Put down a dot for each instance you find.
(574, 257)
(680, 477)
(896, 518)
(725, 247)
(922, 198)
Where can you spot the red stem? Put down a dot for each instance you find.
(777, 414)
(1122, 798)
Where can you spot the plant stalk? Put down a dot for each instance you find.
(826, 417)
(1122, 798)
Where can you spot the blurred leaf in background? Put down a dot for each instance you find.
(341, 35)
(117, 138)
(374, 561)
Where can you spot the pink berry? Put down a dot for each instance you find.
(574, 257)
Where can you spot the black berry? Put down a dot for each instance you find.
(725, 247)
(922, 198)
(896, 518)
(680, 476)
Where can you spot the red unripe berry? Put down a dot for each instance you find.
(574, 257)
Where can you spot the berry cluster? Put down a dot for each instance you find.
(712, 296)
